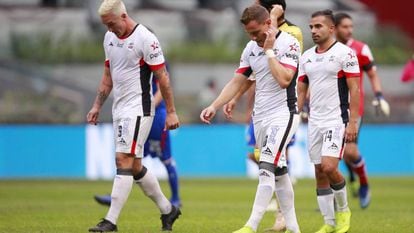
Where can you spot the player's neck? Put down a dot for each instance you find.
(323, 47)
(130, 26)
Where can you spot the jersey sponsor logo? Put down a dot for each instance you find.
(351, 63)
(332, 58)
(131, 45)
(155, 45)
(155, 55)
(293, 56)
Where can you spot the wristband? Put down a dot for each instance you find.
(270, 54)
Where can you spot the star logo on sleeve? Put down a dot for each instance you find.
(154, 45)
(294, 47)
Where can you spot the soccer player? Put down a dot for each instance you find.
(273, 56)
(158, 145)
(277, 9)
(132, 54)
(330, 70)
(352, 156)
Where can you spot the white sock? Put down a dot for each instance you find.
(263, 195)
(151, 188)
(120, 191)
(326, 205)
(285, 195)
(341, 200)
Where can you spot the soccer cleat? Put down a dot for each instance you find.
(104, 226)
(364, 196)
(280, 224)
(245, 229)
(103, 200)
(326, 229)
(168, 220)
(343, 221)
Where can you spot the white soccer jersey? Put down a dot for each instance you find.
(131, 61)
(326, 74)
(270, 98)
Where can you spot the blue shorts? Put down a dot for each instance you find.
(158, 143)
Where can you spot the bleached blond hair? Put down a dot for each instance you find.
(116, 7)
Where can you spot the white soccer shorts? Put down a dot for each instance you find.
(272, 137)
(131, 133)
(325, 141)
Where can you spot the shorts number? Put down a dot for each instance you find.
(328, 136)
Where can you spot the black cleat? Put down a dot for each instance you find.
(104, 226)
(169, 219)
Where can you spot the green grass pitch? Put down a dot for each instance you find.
(209, 205)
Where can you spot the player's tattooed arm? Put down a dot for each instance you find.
(165, 88)
(104, 89)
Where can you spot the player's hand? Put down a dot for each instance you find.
(276, 13)
(228, 108)
(171, 122)
(381, 105)
(351, 132)
(92, 116)
(208, 114)
(270, 38)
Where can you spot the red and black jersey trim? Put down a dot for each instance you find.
(246, 71)
(135, 138)
(369, 66)
(145, 79)
(343, 91)
(284, 142)
(291, 95)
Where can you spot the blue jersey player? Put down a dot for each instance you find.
(157, 145)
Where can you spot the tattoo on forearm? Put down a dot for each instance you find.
(102, 96)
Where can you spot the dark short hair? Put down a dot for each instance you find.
(340, 16)
(327, 13)
(254, 12)
(268, 4)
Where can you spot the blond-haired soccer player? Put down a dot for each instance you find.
(132, 55)
(273, 56)
(330, 70)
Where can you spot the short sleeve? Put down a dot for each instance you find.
(350, 65)
(152, 52)
(244, 67)
(302, 77)
(290, 58)
(366, 58)
(105, 47)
